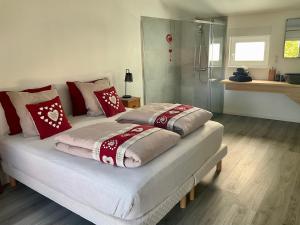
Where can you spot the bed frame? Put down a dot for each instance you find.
(182, 202)
(192, 193)
(181, 195)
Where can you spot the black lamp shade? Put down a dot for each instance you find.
(128, 76)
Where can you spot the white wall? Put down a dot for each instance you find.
(52, 41)
(265, 105)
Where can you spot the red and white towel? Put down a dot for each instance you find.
(182, 119)
(123, 145)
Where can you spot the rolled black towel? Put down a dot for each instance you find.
(240, 78)
(241, 70)
(241, 73)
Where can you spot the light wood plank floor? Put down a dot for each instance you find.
(259, 184)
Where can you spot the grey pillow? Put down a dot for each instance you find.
(87, 90)
(21, 99)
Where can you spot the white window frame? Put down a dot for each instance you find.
(219, 62)
(254, 64)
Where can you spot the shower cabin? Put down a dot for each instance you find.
(183, 61)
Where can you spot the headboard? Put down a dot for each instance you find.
(63, 92)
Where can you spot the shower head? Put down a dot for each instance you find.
(200, 28)
(211, 21)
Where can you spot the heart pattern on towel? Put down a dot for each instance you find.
(162, 120)
(112, 149)
(174, 112)
(52, 115)
(138, 130)
(108, 160)
(110, 145)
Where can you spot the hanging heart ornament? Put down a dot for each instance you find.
(169, 38)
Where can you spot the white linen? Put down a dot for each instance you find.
(123, 193)
(150, 218)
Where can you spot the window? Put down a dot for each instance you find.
(292, 49)
(214, 52)
(251, 51)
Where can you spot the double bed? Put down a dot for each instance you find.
(108, 195)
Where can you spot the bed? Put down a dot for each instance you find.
(107, 195)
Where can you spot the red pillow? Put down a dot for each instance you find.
(10, 112)
(49, 117)
(110, 102)
(35, 90)
(77, 100)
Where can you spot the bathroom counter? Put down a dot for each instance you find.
(291, 90)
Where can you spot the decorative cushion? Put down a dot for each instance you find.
(11, 115)
(21, 99)
(4, 129)
(110, 102)
(49, 117)
(35, 90)
(77, 100)
(87, 90)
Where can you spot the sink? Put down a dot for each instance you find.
(292, 78)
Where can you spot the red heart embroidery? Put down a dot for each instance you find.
(108, 160)
(52, 115)
(111, 99)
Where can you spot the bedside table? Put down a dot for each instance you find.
(133, 102)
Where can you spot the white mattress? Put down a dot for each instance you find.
(123, 193)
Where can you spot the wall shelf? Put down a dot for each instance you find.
(291, 90)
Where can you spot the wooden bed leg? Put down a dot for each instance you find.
(182, 203)
(192, 194)
(12, 182)
(219, 167)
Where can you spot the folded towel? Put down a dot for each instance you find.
(182, 119)
(241, 73)
(123, 145)
(240, 78)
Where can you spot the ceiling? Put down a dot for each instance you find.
(229, 7)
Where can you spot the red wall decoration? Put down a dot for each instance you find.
(169, 39)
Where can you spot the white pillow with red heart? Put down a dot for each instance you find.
(49, 117)
(110, 102)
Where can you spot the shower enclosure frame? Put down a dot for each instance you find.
(209, 67)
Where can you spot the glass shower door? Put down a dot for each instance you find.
(216, 67)
(209, 66)
(201, 67)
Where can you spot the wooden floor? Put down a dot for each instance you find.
(259, 184)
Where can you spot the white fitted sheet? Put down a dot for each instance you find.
(124, 193)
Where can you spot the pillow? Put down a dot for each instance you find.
(11, 115)
(4, 129)
(21, 99)
(110, 102)
(49, 117)
(35, 90)
(87, 90)
(77, 100)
